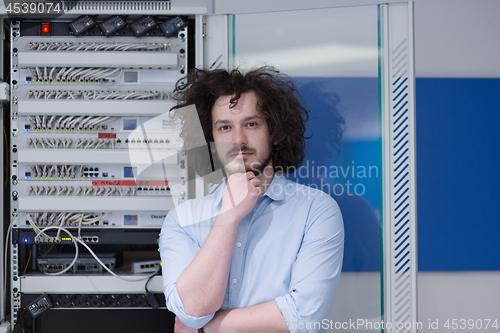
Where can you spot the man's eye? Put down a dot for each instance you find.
(252, 124)
(224, 128)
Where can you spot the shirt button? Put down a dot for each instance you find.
(238, 244)
(234, 281)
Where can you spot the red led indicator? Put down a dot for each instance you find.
(45, 29)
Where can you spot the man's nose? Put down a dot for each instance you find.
(240, 137)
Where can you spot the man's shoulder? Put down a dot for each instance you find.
(303, 191)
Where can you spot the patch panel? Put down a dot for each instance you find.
(108, 220)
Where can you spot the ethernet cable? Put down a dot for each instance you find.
(38, 122)
(39, 73)
(73, 239)
(32, 122)
(35, 77)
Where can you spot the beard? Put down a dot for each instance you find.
(239, 164)
(258, 167)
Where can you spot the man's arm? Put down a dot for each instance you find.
(316, 271)
(202, 285)
(262, 318)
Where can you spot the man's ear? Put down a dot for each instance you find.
(275, 143)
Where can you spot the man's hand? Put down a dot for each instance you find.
(240, 194)
(179, 327)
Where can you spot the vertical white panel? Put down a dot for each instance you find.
(216, 51)
(199, 40)
(398, 138)
(2, 173)
(2, 227)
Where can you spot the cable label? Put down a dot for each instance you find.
(106, 135)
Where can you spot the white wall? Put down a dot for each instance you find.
(454, 38)
(458, 295)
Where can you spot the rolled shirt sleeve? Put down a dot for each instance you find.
(316, 271)
(177, 249)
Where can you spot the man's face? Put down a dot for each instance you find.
(241, 135)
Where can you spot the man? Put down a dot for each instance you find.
(263, 254)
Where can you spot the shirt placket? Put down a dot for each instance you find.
(235, 272)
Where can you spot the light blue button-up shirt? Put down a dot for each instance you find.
(289, 249)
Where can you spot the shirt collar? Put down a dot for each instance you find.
(275, 191)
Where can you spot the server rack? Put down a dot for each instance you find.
(95, 158)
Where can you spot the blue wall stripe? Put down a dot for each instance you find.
(458, 159)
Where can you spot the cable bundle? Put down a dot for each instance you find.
(63, 171)
(65, 123)
(74, 74)
(82, 190)
(63, 46)
(99, 94)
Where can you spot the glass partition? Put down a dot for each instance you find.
(332, 55)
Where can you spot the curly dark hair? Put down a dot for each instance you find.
(278, 101)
